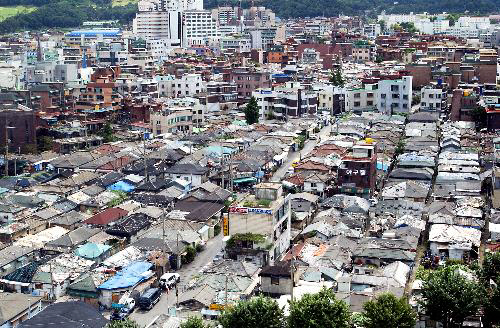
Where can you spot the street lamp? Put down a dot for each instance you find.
(7, 140)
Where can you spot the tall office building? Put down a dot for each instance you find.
(181, 22)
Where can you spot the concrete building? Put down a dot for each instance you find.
(247, 81)
(394, 96)
(177, 116)
(292, 100)
(186, 86)
(267, 213)
(371, 30)
(361, 99)
(18, 122)
(358, 173)
(434, 98)
(235, 44)
(199, 28)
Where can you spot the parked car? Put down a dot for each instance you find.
(169, 280)
(149, 298)
(218, 257)
(123, 312)
(313, 137)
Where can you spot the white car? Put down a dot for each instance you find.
(169, 280)
(313, 137)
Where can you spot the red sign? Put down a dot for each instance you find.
(242, 210)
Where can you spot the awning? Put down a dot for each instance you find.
(244, 180)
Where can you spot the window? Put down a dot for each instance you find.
(275, 280)
(357, 104)
(383, 96)
(431, 96)
(405, 97)
(369, 95)
(357, 95)
(369, 103)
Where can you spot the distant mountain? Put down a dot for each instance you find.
(71, 13)
(312, 8)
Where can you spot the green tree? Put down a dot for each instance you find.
(260, 312)
(449, 295)
(382, 24)
(479, 116)
(336, 78)
(107, 133)
(319, 310)
(127, 323)
(252, 111)
(489, 275)
(388, 311)
(193, 322)
(45, 143)
(190, 255)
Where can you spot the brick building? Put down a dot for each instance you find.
(358, 172)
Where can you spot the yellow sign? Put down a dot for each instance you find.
(97, 107)
(216, 307)
(225, 224)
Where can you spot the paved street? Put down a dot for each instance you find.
(187, 273)
(292, 156)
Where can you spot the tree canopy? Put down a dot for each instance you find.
(252, 111)
(318, 311)
(127, 323)
(388, 311)
(451, 294)
(258, 312)
(193, 322)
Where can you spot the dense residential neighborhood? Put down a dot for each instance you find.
(231, 168)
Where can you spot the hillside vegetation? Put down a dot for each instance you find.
(71, 13)
(311, 8)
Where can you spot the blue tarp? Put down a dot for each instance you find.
(128, 277)
(121, 186)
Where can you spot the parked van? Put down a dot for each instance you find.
(169, 280)
(149, 298)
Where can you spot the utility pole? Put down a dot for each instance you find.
(225, 304)
(291, 276)
(164, 244)
(145, 161)
(6, 164)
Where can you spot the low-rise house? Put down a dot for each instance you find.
(276, 280)
(17, 308)
(130, 226)
(107, 216)
(125, 280)
(71, 240)
(79, 313)
(452, 241)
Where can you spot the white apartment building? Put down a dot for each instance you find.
(476, 23)
(177, 116)
(199, 28)
(273, 220)
(235, 44)
(394, 96)
(224, 15)
(433, 98)
(372, 30)
(361, 99)
(290, 100)
(437, 26)
(164, 19)
(185, 86)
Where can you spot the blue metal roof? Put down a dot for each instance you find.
(94, 33)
